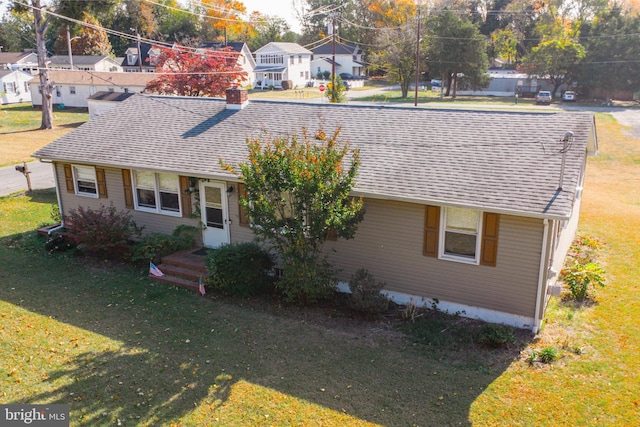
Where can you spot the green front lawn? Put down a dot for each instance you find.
(20, 134)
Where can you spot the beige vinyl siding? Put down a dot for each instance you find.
(389, 243)
(239, 233)
(154, 223)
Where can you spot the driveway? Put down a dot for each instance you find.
(631, 118)
(12, 181)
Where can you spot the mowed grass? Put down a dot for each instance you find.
(121, 350)
(20, 134)
(118, 349)
(601, 386)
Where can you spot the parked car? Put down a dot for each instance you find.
(569, 96)
(543, 97)
(347, 76)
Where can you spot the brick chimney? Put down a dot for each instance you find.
(237, 98)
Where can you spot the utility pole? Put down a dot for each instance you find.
(69, 48)
(415, 102)
(333, 57)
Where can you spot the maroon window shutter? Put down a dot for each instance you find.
(68, 177)
(490, 226)
(128, 188)
(431, 230)
(244, 216)
(187, 208)
(102, 183)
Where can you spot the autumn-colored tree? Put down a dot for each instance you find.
(187, 73)
(298, 193)
(93, 40)
(223, 16)
(390, 13)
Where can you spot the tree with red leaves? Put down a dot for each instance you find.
(184, 72)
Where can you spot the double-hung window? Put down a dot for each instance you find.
(85, 181)
(157, 192)
(461, 234)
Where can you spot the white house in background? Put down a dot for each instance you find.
(26, 61)
(101, 102)
(349, 58)
(14, 86)
(84, 63)
(73, 88)
(279, 61)
(245, 58)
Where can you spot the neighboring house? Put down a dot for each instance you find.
(349, 58)
(463, 208)
(245, 58)
(73, 88)
(84, 63)
(26, 61)
(278, 61)
(145, 60)
(14, 86)
(101, 102)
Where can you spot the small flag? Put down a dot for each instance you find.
(155, 270)
(201, 287)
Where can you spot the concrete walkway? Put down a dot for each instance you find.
(12, 181)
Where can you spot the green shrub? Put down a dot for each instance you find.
(240, 269)
(102, 231)
(365, 293)
(157, 245)
(306, 282)
(580, 276)
(548, 355)
(496, 336)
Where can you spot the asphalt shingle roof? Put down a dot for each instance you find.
(97, 78)
(501, 161)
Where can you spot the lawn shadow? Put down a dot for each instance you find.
(178, 350)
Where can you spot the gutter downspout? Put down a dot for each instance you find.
(537, 322)
(55, 177)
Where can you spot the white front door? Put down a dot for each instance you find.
(213, 198)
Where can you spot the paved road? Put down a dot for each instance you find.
(12, 181)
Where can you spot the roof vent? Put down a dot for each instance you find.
(237, 98)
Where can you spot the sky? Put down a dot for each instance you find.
(281, 8)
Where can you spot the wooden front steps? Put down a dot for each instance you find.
(182, 269)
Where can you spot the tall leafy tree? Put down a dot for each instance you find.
(612, 43)
(88, 38)
(264, 29)
(298, 193)
(132, 14)
(397, 55)
(504, 44)
(187, 73)
(555, 61)
(174, 23)
(224, 17)
(16, 31)
(457, 51)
